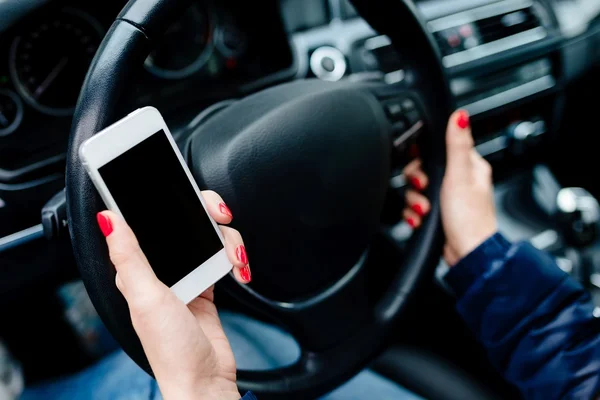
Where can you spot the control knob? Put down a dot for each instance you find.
(579, 214)
(523, 134)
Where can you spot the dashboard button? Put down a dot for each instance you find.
(399, 128)
(471, 42)
(453, 41)
(412, 117)
(328, 64)
(466, 31)
(408, 105)
(393, 110)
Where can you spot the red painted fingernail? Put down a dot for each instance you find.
(463, 120)
(245, 274)
(242, 257)
(416, 183)
(104, 224)
(225, 210)
(418, 209)
(411, 222)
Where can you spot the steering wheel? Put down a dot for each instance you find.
(305, 167)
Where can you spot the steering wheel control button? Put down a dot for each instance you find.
(406, 121)
(408, 105)
(404, 140)
(398, 109)
(393, 110)
(399, 128)
(328, 64)
(412, 117)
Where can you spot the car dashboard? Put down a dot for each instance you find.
(508, 63)
(216, 51)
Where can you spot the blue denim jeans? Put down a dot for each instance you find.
(257, 346)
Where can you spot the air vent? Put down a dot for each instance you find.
(487, 30)
(501, 26)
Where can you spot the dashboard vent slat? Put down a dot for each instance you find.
(501, 26)
(467, 30)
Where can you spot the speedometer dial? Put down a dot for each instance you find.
(186, 46)
(49, 62)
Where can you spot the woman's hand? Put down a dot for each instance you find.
(185, 344)
(467, 194)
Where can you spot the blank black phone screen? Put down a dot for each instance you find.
(160, 205)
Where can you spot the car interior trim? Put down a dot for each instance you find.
(377, 42)
(409, 133)
(21, 237)
(318, 298)
(467, 17)
(7, 176)
(12, 11)
(544, 240)
(493, 146)
(394, 77)
(511, 95)
(19, 113)
(339, 65)
(495, 47)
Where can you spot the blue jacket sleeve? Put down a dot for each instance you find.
(535, 322)
(249, 396)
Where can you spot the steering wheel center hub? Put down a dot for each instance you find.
(311, 155)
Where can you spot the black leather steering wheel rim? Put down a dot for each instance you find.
(124, 49)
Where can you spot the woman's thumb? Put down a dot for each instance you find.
(135, 278)
(459, 141)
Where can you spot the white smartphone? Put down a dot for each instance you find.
(140, 173)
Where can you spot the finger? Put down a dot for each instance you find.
(236, 252)
(480, 162)
(459, 141)
(417, 202)
(450, 256)
(412, 218)
(415, 175)
(482, 168)
(412, 166)
(216, 207)
(135, 277)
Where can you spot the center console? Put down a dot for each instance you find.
(533, 206)
(508, 62)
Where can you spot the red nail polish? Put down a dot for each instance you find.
(418, 209)
(245, 274)
(225, 210)
(416, 183)
(463, 120)
(411, 222)
(240, 252)
(104, 224)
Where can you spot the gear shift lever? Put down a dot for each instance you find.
(578, 213)
(575, 209)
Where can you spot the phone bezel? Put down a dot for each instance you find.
(115, 140)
